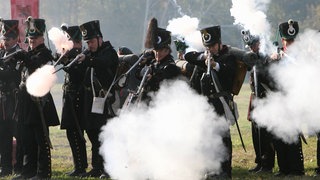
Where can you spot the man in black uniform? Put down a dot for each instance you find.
(289, 156)
(261, 138)
(101, 63)
(36, 114)
(9, 84)
(159, 62)
(223, 66)
(73, 93)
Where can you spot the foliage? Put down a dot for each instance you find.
(124, 22)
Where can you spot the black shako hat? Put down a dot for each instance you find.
(90, 30)
(35, 27)
(249, 39)
(211, 35)
(289, 29)
(73, 32)
(9, 28)
(157, 38)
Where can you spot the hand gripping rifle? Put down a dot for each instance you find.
(8, 58)
(206, 78)
(85, 52)
(60, 58)
(135, 97)
(121, 80)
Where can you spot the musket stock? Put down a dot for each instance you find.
(85, 52)
(8, 58)
(60, 58)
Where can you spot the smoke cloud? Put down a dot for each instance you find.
(60, 40)
(177, 137)
(186, 28)
(249, 14)
(41, 81)
(295, 108)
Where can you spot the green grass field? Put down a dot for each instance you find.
(242, 161)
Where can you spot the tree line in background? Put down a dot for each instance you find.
(124, 22)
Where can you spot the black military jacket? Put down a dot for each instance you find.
(165, 69)
(9, 73)
(105, 63)
(264, 79)
(28, 105)
(73, 92)
(9, 83)
(225, 75)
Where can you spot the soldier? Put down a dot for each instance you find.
(222, 68)
(101, 62)
(36, 114)
(73, 92)
(261, 138)
(159, 62)
(9, 84)
(289, 156)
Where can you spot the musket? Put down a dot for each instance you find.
(85, 52)
(60, 58)
(142, 84)
(255, 82)
(303, 138)
(227, 108)
(43, 123)
(225, 105)
(209, 58)
(123, 77)
(8, 58)
(136, 96)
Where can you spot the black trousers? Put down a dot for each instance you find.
(226, 165)
(97, 160)
(6, 135)
(19, 149)
(318, 150)
(37, 152)
(78, 149)
(263, 146)
(290, 157)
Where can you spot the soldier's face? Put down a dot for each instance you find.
(161, 53)
(35, 41)
(286, 42)
(214, 49)
(94, 43)
(256, 47)
(8, 43)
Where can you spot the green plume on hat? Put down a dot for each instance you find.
(181, 45)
